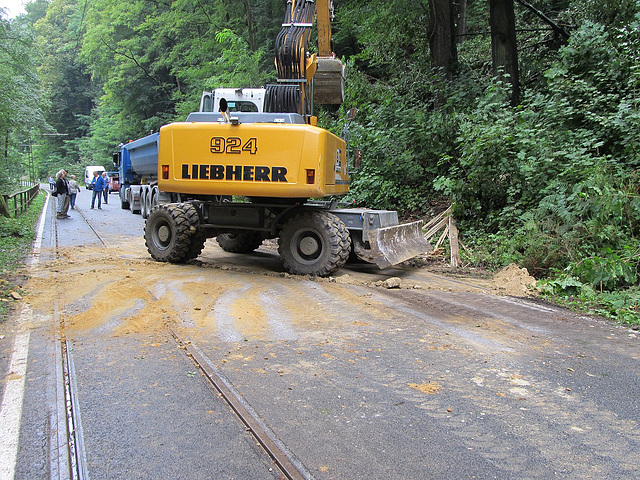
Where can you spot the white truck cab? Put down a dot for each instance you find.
(238, 100)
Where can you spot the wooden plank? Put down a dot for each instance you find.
(437, 218)
(434, 229)
(443, 236)
(453, 241)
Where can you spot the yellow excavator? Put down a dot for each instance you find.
(252, 164)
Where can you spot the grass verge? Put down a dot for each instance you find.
(16, 239)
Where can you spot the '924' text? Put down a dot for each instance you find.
(234, 145)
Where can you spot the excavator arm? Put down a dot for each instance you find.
(304, 78)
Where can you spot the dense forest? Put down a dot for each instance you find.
(522, 114)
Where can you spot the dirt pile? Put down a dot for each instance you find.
(516, 281)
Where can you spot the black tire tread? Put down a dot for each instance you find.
(181, 233)
(199, 236)
(244, 242)
(331, 228)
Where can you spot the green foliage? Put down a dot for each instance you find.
(68, 88)
(615, 13)
(384, 51)
(402, 138)
(21, 104)
(550, 184)
(622, 305)
(16, 238)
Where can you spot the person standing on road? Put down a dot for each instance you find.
(52, 183)
(62, 187)
(98, 186)
(105, 177)
(74, 189)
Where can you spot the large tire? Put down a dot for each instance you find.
(197, 245)
(131, 199)
(199, 236)
(143, 204)
(314, 243)
(124, 205)
(243, 242)
(148, 201)
(168, 234)
(153, 202)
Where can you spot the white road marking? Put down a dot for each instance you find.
(12, 400)
(11, 409)
(34, 258)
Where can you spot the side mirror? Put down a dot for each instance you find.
(351, 113)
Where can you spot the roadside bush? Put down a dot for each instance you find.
(16, 238)
(552, 184)
(622, 305)
(402, 137)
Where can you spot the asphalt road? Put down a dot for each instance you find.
(356, 381)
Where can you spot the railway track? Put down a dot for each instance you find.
(68, 462)
(365, 382)
(68, 455)
(287, 464)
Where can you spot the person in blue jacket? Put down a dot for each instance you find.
(105, 177)
(98, 186)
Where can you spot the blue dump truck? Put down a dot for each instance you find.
(138, 171)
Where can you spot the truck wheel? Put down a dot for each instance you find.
(243, 242)
(199, 236)
(132, 203)
(143, 203)
(168, 233)
(153, 201)
(124, 205)
(147, 201)
(314, 243)
(197, 245)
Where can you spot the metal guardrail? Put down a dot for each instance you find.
(17, 203)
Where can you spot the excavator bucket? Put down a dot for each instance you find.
(328, 82)
(392, 245)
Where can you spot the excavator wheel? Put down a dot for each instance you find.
(243, 242)
(168, 233)
(314, 243)
(199, 236)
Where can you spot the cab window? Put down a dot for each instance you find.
(242, 106)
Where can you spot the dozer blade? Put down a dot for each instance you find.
(392, 245)
(328, 82)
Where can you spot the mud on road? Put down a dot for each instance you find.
(444, 375)
(133, 293)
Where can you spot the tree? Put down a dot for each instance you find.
(20, 100)
(68, 85)
(504, 50)
(442, 43)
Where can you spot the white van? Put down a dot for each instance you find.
(88, 174)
